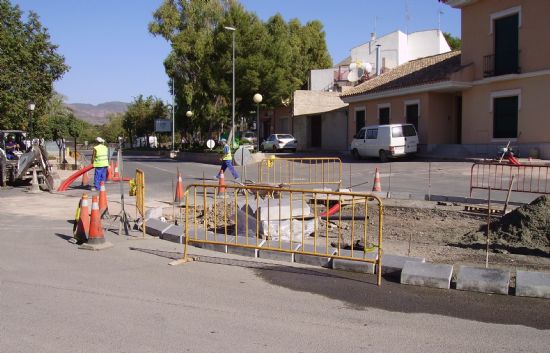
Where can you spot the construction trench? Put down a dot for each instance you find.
(344, 230)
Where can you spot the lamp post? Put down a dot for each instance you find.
(31, 107)
(232, 29)
(258, 99)
(188, 114)
(173, 115)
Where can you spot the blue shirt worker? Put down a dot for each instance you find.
(100, 160)
(227, 161)
(11, 146)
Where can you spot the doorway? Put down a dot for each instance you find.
(459, 119)
(412, 115)
(316, 130)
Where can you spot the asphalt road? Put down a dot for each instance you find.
(56, 298)
(417, 178)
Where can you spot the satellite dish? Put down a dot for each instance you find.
(353, 75)
(367, 67)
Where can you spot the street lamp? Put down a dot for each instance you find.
(233, 29)
(258, 99)
(189, 114)
(173, 115)
(31, 107)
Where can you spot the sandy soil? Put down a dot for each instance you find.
(441, 233)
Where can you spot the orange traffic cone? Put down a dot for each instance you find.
(222, 182)
(110, 169)
(179, 190)
(85, 180)
(83, 223)
(376, 186)
(103, 205)
(115, 174)
(96, 239)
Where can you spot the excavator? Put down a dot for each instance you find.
(27, 158)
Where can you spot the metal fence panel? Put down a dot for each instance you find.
(321, 224)
(140, 196)
(526, 178)
(301, 171)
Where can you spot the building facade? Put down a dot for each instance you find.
(504, 41)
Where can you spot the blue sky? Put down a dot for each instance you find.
(114, 58)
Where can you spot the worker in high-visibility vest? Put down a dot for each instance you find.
(100, 160)
(227, 161)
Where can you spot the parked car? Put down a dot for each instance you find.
(277, 142)
(248, 137)
(385, 141)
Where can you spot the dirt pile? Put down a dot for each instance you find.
(527, 226)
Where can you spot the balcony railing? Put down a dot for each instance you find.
(503, 64)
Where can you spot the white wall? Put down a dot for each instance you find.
(426, 43)
(300, 131)
(397, 48)
(334, 131)
(321, 80)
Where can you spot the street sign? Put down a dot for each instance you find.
(210, 144)
(243, 156)
(163, 125)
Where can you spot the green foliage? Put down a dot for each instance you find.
(271, 58)
(113, 129)
(139, 119)
(454, 42)
(29, 64)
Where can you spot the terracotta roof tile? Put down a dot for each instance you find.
(421, 71)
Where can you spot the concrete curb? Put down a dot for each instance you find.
(412, 270)
(485, 280)
(392, 265)
(533, 284)
(427, 274)
(355, 266)
(156, 227)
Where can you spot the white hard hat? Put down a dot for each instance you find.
(99, 139)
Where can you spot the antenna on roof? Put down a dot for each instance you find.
(407, 17)
(439, 13)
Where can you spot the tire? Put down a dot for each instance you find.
(383, 155)
(355, 154)
(274, 149)
(293, 150)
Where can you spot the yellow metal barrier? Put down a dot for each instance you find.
(140, 196)
(298, 221)
(301, 171)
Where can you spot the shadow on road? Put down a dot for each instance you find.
(64, 237)
(359, 291)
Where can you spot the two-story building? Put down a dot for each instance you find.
(466, 103)
(503, 41)
(320, 117)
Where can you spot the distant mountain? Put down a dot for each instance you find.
(97, 114)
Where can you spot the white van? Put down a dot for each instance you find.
(385, 141)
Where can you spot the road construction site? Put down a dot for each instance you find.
(224, 226)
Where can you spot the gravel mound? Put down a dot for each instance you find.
(527, 226)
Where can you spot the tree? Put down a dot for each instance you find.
(140, 117)
(29, 64)
(272, 58)
(189, 26)
(114, 128)
(454, 42)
